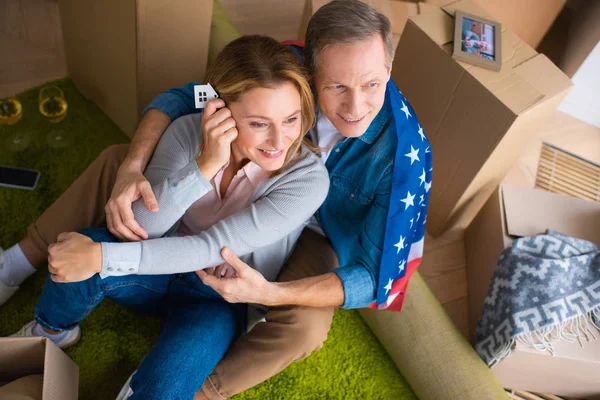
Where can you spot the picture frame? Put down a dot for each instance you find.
(477, 41)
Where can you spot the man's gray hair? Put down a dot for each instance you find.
(346, 21)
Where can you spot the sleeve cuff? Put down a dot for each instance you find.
(188, 185)
(359, 286)
(119, 259)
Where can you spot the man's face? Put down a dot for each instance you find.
(350, 80)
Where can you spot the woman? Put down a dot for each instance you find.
(236, 177)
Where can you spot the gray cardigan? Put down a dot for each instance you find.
(263, 234)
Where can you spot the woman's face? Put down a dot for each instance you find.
(268, 122)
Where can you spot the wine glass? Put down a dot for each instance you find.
(59, 138)
(11, 110)
(52, 104)
(18, 142)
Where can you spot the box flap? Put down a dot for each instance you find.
(61, 375)
(466, 6)
(437, 24)
(532, 211)
(526, 78)
(21, 357)
(400, 12)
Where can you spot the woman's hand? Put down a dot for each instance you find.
(219, 130)
(74, 258)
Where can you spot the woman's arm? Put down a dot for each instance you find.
(291, 200)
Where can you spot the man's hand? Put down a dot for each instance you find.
(246, 286)
(129, 187)
(74, 258)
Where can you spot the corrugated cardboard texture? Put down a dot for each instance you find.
(584, 35)
(279, 19)
(518, 211)
(100, 45)
(476, 119)
(29, 356)
(572, 371)
(531, 211)
(122, 53)
(61, 375)
(20, 357)
(529, 19)
(485, 239)
(172, 45)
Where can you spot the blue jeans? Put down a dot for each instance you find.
(198, 328)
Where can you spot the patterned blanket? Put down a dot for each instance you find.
(545, 288)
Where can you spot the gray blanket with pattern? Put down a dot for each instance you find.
(545, 288)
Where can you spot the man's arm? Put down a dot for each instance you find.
(131, 184)
(351, 286)
(249, 286)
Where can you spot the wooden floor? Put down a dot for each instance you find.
(32, 53)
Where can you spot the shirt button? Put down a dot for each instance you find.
(110, 268)
(191, 173)
(119, 269)
(352, 195)
(337, 150)
(132, 269)
(174, 185)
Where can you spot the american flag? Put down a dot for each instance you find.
(407, 214)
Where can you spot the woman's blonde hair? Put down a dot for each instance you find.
(260, 61)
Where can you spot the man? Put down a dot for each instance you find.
(371, 144)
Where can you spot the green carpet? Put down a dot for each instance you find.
(351, 365)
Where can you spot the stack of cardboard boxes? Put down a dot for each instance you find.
(478, 122)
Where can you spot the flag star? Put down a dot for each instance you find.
(412, 220)
(409, 200)
(401, 266)
(422, 177)
(413, 155)
(421, 133)
(427, 150)
(418, 216)
(427, 187)
(388, 287)
(405, 110)
(425, 220)
(400, 244)
(422, 199)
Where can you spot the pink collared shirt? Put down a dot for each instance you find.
(211, 208)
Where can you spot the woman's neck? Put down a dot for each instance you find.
(236, 162)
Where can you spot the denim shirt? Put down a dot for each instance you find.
(354, 214)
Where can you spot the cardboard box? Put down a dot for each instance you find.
(477, 120)
(279, 19)
(20, 357)
(122, 53)
(582, 62)
(514, 211)
(529, 20)
(397, 12)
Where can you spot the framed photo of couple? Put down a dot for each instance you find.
(477, 41)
